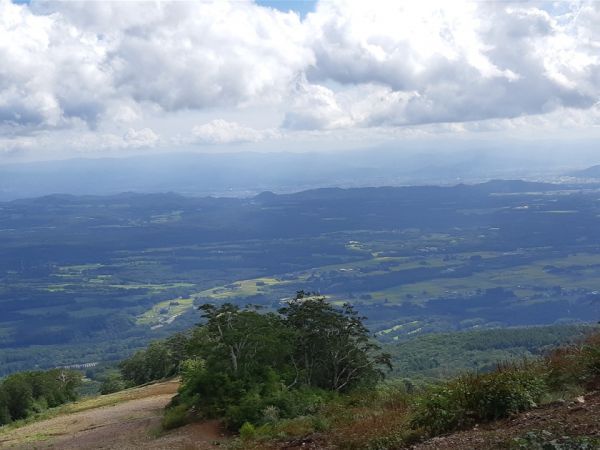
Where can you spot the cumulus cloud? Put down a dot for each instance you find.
(140, 138)
(51, 73)
(315, 107)
(72, 60)
(223, 132)
(457, 61)
(194, 54)
(405, 45)
(104, 67)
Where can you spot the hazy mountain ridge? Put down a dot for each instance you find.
(246, 174)
(589, 172)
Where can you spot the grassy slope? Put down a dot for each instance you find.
(464, 410)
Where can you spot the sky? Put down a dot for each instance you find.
(100, 78)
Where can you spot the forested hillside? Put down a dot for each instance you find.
(88, 279)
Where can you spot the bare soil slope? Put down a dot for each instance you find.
(124, 420)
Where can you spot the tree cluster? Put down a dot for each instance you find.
(160, 360)
(25, 393)
(246, 366)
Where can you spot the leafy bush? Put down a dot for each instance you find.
(175, 417)
(479, 398)
(385, 441)
(247, 431)
(575, 365)
(19, 395)
(391, 415)
(289, 428)
(470, 399)
(271, 414)
(112, 383)
(4, 412)
(162, 359)
(263, 404)
(591, 359)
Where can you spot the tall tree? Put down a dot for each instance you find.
(246, 339)
(19, 395)
(333, 349)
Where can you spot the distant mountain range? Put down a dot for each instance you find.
(247, 174)
(590, 172)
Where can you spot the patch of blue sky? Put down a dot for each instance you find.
(302, 7)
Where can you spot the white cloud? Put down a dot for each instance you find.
(457, 61)
(405, 45)
(223, 132)
(102, 68)
(195, 54)
(52, 72)
(140, 138)
(315, 107)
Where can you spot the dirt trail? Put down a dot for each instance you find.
(133, 422)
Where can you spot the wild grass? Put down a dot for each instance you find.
(175, 417)
(392, 417)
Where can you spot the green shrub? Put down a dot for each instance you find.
(504, 393)
(39, 405)
(479, 398)
(320, 423)
(175, 417)
(577, 365)
(19, 395)
(4, 412)
(264, 404)
(565, 368)
(247, 431)
(394, 439)
(271, 414)
(161, 359)
(293, 428)
(244, 366)
(591, 358)
(545, 440)
(249, 409)
(442, 409)
(112, 383)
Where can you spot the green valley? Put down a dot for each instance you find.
(105, 275)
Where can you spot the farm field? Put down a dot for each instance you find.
(118, 271)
